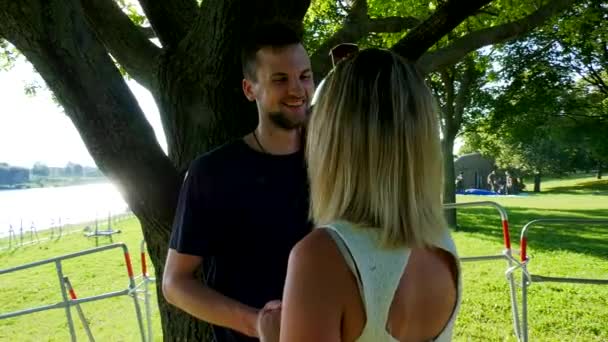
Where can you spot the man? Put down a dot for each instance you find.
(245, 204)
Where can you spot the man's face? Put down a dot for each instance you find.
(284, 85)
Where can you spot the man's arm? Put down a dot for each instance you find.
(182, 289)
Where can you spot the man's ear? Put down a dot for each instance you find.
(248, 90)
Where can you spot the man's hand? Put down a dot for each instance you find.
(269, 322)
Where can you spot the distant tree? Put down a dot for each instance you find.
(4, 172)
(456, 88)
(549, 114)
(92, 172)
(77, 170)
(73, 170)
(19, 174)
(67, 170)
(41, 170)
(11, 175)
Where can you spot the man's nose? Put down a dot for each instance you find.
(296, 88)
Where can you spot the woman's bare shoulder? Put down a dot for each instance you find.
(318, 248)
(314, 298)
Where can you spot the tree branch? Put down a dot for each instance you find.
(55, 38)
(436, 60)
(392, 24)
(444, 20)
(171, 19)
(359, 9)
(353, 29)
(124, 40)
(147, 31)
(356, 26)
(598, 80)
(490, 13)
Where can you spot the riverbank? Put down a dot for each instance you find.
(54, 182)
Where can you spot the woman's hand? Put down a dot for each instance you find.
(269, 322)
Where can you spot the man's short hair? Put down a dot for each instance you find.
(276, 34)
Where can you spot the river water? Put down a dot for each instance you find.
(46, 207)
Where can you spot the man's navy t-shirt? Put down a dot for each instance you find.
(244, 210)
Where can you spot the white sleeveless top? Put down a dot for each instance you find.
(378, 272)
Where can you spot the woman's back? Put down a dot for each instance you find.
(373, 155)
(399, 294)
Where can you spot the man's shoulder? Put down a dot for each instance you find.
(217, 158)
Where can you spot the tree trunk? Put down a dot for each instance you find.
(599, 170)
(537, 182)
(455, 103)
(449, 175)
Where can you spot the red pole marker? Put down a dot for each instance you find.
(144, 269)
(524, 246)
(72, 293)
(128, 262)
(505, 233)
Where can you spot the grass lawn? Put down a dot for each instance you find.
(561, 312)
(564, 312)
(110, 319)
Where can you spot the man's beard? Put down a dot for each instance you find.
(282, 120)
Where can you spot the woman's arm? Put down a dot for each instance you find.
(313, 298)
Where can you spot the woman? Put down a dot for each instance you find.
(381, 265)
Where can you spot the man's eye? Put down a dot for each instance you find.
(279, 80)
(305, 77)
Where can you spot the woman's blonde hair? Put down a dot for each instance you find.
(373, 150)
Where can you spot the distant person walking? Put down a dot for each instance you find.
(460, 182)
(509, 189)
(492, 181)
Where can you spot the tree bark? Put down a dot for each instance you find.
(124, 40)
(449, 176)
(449, 134)
(599, 170)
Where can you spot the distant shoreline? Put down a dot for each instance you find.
(54, 183)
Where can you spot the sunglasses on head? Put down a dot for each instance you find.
(337, 53)
(342, 51)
